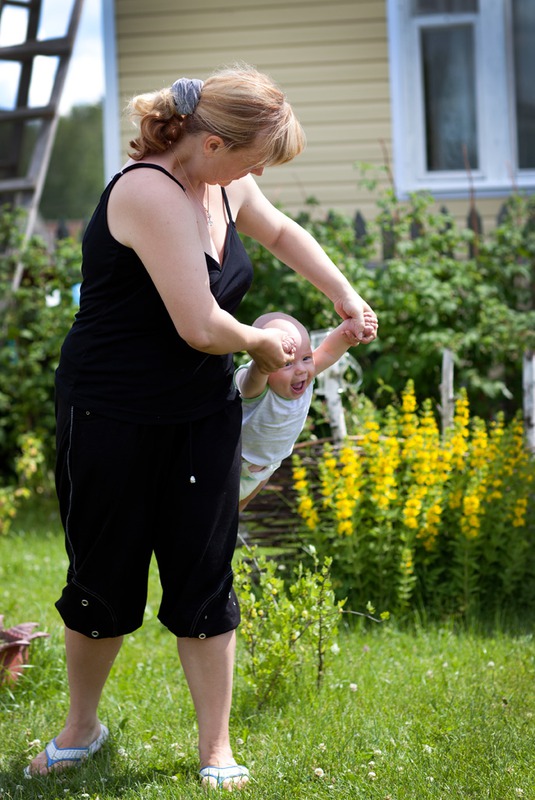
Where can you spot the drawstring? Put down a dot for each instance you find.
(192, 478)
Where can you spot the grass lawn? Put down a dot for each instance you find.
(431, 713)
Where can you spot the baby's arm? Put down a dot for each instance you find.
(251, 382)
(336, 343)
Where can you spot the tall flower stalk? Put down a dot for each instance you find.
(412, 517)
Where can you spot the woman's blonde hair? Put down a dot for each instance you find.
(239, 104)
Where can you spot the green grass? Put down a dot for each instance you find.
(431, 713)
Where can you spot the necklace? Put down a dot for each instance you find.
(205, 208)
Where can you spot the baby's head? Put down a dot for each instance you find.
(291, 380)
(277, 319)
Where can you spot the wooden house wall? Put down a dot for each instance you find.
(331, 59)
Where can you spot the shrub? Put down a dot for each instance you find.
(31, 475)
(439, 286)
(35, 319)
(413, 520)
(444, 287)
(287, 626)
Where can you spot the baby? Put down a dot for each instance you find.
(276, 404)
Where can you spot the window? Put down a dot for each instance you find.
(463, 95)
(524, 77)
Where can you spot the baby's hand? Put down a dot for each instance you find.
(350, 331)
(350, 328)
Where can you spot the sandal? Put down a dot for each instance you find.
(71, 756)
(215, 777)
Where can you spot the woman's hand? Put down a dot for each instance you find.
(352, 306)
(275, 349)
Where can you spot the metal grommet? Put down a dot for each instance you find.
(85, 602)
(94, 634)
(202, 636)
(87, 413)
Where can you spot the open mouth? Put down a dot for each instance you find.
(298, 387)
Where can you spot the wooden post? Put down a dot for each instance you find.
(331, 384)
(359, 226)
(447, 394)
(528, 389)
(332, 389)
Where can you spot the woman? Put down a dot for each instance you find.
(148, 421)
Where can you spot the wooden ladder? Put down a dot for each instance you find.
(17, 189)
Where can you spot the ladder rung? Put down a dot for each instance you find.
(21, 3)
(26, 113)
(35, 47)
(12, 185)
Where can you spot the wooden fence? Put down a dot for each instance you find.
(388, 242)
(271, 519)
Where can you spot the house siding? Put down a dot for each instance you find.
(331, 59)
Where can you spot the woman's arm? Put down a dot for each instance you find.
(294, 246)
(152, 215)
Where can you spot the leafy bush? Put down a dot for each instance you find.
(429, 294)
(441, 286)
(34, 321)
(286, 627)
(415, 521)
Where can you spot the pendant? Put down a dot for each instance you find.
(209, 219)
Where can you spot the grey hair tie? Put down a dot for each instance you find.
(186, 94)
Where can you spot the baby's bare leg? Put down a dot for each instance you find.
(246, 500)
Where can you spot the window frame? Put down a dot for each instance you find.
(495, 104)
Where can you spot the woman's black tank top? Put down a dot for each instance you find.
(123, 356)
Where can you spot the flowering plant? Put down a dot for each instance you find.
(414, 518)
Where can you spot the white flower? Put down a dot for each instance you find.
(372, 776)
(491, 664)
(428, 748)
(519, 792)
(239, 742)
(335, 649)
(322, 746)
(318, 772)
(353, 687)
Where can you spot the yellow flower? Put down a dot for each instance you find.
(305, 504)
(299, 473)
(312, 519)
(345, 527)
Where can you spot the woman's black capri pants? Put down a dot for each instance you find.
(127, 491)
